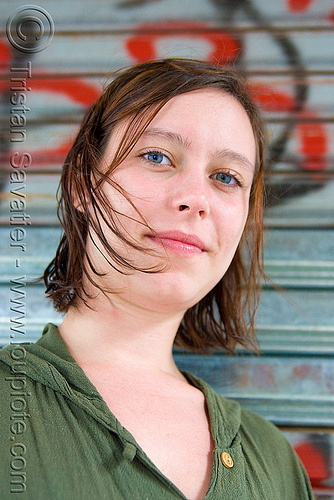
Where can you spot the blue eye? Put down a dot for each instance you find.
(225, 178)
(157, 158)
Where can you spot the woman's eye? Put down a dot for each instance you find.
(225, 178)
(156, 157)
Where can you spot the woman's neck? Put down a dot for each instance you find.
(111, 334)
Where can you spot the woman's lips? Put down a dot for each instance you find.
(179, 242)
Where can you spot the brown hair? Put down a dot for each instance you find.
(225, 316)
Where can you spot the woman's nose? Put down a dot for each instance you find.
(192, 197)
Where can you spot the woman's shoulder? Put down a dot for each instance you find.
(252, 426)
(268, 457)
(262, 439)
(259, 430)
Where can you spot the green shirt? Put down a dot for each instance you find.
(59, 440)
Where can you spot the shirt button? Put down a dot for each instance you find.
(227, 460)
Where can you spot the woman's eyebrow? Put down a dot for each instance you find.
(168, 134)
(231, 155)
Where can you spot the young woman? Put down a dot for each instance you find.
(161, 205)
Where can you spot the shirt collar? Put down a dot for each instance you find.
(61, 371)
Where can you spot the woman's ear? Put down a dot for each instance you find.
(80, 198)
(77, 186)
(77, 201)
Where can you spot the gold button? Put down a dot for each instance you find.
(227, 460)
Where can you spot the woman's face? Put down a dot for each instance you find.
(190, 176)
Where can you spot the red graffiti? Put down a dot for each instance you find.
(143, 46)
(296, 6)
(314, 143)
(314, 462)
(5, 57)
(74, 89)
(312, 135)
(299, 5)
(331, 16)
(5, 54)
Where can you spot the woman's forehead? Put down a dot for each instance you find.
(211, 116)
